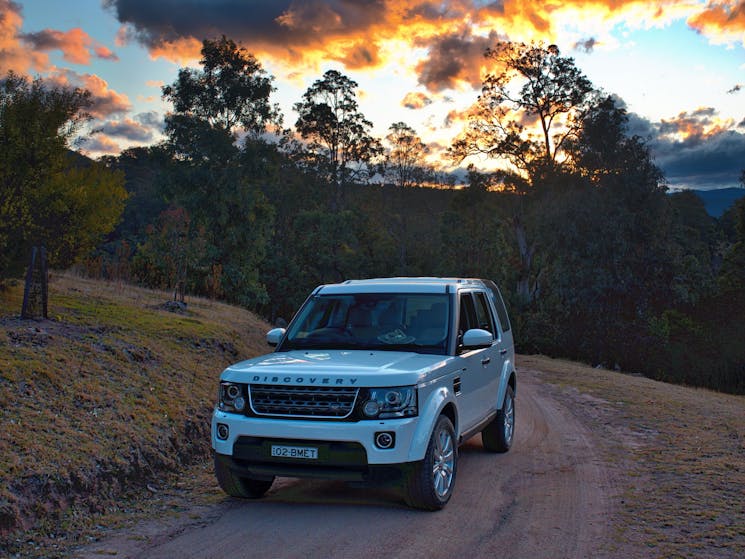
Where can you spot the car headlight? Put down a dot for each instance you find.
(387, 403)
(231, 397)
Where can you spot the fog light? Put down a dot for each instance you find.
(223, 432)
(384, 440)
(371, 408)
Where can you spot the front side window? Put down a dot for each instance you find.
(385, 321)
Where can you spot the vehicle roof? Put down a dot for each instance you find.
(401, 284)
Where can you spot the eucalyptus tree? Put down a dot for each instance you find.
(220, 113)
(528, 110)
(337, 131)
(404, 157)
(230, 92)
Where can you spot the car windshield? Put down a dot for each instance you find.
(384, 321)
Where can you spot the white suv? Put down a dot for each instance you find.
(375, 381)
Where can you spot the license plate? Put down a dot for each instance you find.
(306, 452)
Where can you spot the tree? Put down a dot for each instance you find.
(330, 118)
(49, 195)
(732, 275)
(231, 90)
(472, 241)
(404, 167)
(526, 114)
(404, 159)
(208, 175)
(528, 110)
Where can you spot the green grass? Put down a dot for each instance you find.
(106, 396)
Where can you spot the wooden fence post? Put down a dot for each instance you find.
(35, 291)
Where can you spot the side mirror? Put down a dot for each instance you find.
(477, 338)
(274, 336)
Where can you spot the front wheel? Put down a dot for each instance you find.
(498, 435)
(237, 486)
(430, 485)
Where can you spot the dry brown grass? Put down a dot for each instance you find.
(105, 397)
(681, 452)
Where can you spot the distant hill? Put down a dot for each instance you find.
(719, 201)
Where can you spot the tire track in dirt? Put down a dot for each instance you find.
(549, 497)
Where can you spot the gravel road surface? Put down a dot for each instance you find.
(549, 497)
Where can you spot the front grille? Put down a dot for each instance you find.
(332, 402)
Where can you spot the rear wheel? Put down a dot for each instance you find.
(430, 484)
(238, 486)
(498, 435)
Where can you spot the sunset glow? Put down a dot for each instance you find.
(679, 66)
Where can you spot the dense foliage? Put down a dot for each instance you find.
(49, 196)
(597, 260)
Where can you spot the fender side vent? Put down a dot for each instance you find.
(456, 386)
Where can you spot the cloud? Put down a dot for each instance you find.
(445, 41)
(415, 100)
(14, 55)
(695, 149)
(105, 53)
(100, 144)
(291, 30)
(588, 45)
(697, 124)
(723, 21)
(76, 45)
(104, 101)
(454, 58)
(455, 117)
(127, 129)
(151, 119)
(711, 162)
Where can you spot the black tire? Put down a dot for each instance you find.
(430, 484)
(499, 434)
(237, 486)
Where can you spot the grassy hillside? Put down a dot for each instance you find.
(107, 395)
(678, 454)
(101, 402)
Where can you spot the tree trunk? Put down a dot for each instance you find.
(525, 292)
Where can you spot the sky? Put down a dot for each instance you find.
(678, 66)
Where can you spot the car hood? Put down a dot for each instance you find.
(339, 368)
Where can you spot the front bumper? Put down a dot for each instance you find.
(345, 445)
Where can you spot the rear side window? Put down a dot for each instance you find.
(483, 316)
(499, 305)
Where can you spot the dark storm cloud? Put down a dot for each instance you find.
(285, 23)
(701, 160)
(454, 58)
(713, 161)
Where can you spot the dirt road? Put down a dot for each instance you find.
(549, 497)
